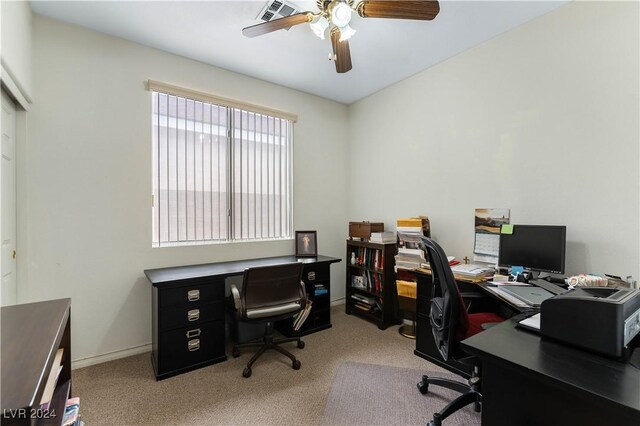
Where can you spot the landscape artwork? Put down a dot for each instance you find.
(489, 221)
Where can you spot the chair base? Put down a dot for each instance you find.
(408, 331)
(470, 394)
(267, 342)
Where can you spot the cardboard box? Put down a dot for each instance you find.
(364, 229)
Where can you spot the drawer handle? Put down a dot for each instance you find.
(193, 315)
(193, 345)
(311, 276)
(193, 333)
(193, 295)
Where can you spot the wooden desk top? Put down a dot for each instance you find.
(572, 369)
(31, 334)
(225, 269)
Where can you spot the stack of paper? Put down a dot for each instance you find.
(408, 258)
(386, 237)
(472, 270)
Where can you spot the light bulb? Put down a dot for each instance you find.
(346, 32)
(319, 25)
(341, 14)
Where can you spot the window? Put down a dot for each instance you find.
(220, 172)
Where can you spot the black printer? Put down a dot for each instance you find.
(599, 319)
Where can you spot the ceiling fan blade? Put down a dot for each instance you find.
(277, 24)
(399, 9)
(341, 52)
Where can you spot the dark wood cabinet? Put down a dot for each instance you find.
(370, 282)
(32, 335)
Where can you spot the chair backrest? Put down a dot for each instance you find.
(448, 314)
(270, 286)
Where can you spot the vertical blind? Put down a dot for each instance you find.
(220, 173)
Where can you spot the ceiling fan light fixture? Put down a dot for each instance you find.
(346, 32)
(319, 25)
(340, 14)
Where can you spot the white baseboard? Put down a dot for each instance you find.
(99, 359)
(337, 302)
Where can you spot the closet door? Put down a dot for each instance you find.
(8, 203)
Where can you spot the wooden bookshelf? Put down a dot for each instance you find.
(370, 283)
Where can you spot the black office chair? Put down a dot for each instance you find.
(269, 294)
(451, 324)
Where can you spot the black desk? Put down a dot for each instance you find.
(188, 312)
(527, 380)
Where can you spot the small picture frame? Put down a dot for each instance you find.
(306, 244)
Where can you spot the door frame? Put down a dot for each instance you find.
(22, 103)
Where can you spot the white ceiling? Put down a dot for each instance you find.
(383, 51)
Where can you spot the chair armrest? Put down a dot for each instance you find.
(303, 291)
(237, 301)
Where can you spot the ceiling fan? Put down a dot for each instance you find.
(335, 15)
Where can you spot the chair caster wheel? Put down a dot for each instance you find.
(295, 364)
(235, 353)
(300, 344)
(246, 372)
(423, 387)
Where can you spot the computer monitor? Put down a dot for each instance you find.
(534, 247)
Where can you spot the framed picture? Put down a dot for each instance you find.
(306, 244)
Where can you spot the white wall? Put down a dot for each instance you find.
(89, 178)
(543, 120)
(15, 51)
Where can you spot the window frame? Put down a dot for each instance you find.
(234, 144)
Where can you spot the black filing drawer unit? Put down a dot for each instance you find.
(192, 345)
(188, 326)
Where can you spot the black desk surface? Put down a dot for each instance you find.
(574, 369)
(225, 269)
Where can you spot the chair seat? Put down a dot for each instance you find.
(272, 311)
(476, 320)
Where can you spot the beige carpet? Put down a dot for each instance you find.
(125, 392)
(368, 394)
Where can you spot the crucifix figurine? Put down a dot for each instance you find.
(466, 260)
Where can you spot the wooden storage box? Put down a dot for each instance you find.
(364, 229)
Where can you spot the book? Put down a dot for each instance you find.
(52, 380)
(71, 409)
(320, 291)
(386, 237)
(301, 316)
(363, 299)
